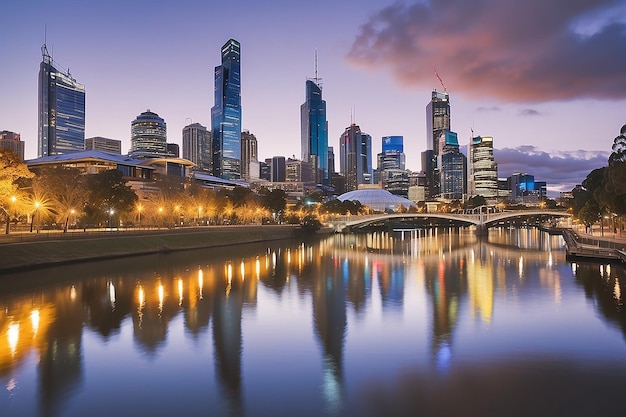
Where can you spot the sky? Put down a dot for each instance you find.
(545, 79)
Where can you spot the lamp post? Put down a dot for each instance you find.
(32, 220)
(67, 220)
(160, 217)
(111, 211)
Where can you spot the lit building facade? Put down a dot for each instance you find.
(11, 141)
(314, 132)
(61, 102)
(355, 157)
(391, 169)
(452, 168)
(148, 136)
(226, 114)
(99, 143)
(197, 146)
(483, 170)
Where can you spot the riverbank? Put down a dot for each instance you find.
(77, 247)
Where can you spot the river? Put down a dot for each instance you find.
(414, 323)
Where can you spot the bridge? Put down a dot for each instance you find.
(482, 220)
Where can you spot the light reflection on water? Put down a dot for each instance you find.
(429, 322)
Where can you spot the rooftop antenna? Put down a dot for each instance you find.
(317, 79)
(445, 90)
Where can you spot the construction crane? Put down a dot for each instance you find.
(445, 90)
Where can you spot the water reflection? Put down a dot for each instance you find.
(368, 277)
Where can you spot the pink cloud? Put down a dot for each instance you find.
(512, 50)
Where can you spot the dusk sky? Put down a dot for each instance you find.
(546, 79)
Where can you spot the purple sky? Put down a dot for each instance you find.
(546, 79)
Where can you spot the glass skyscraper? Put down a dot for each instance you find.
(148, 136)
(226, 114)
(452, 168)
(314, 132)
(61, 110)
(355, 157)
(437, 122)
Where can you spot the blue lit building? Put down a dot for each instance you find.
(452, 166)
(314, 132)
(226, 114)
(61, 102)
(393, 144)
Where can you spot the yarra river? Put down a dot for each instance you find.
(421, 323)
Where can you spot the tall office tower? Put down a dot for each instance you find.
(437, 122)
(249, 156)
(355, 157)
(279, 173)
(148, 136)
(197, 146)
(61, 110)
(452, 168)
(12, 142)
(226, 114)
(314, 129)
(173, 150)
(331, 161)
(99, 143)
(483, 169)
(391, 169)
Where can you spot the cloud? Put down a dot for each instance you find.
(529, 112)
(561, 170)
(519, 51)
(483, 109)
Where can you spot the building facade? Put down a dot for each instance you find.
(483, 170)
(249, 156)
(197, 146)
(314, 132)
(437, 122)
(61, 102)
(99, 143)
(148, 136)
(226, 114)
(12, 142)
(452, 168)
(355, 157)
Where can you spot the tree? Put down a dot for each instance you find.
(107, 190)
(275, 200)
(65, 189)
(12, 170)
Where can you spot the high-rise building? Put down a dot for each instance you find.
(226, 114)
(249, 156)
(437, 122)
(355, 157)
(331, 161)
(61, 110)
(279, 173)
(148, 136)
(452, 168)
(483, 170)
(99, 143)
(391, 169)
(173, 149)
(197, 146)
(12, 142)
(314, 131)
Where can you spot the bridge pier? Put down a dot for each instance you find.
(482, 230)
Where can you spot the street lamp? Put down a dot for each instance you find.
(111, 211)
(139, 208)
(67, 219)
(32, 220)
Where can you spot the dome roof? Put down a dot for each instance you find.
(377, 199)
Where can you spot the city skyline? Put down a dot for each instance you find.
(555, 137)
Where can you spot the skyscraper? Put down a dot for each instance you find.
(197, 146)
(249, 156)
(483, 170)
(355, 157)
(314, 130)
(61, 110)
(437, 122)
(391, 169)
(103, 144)
(148, 136)
(452, 168)
(226, 114)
